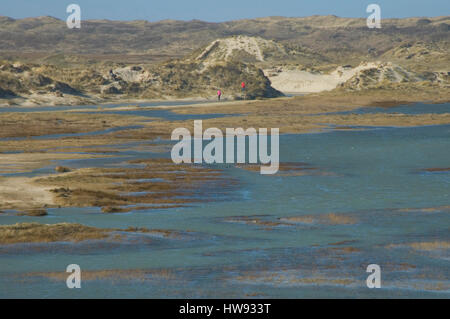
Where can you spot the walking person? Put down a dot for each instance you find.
(219, 94)
(243, 89)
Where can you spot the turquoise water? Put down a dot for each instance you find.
(417, 108)
(375, 177)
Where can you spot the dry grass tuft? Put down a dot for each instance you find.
(346, 250)
(300, 219)
(287, 169)
(336, 219)
(111, 210)
(328, 219)
(424, 246)
(44, 233)
(65, 232)
(437, 169)
(62, 169)
(158, 184)
(113, 275)
(38, 212)
(435, 245)
(290, 279)
(253, 220)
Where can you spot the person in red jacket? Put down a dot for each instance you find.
(219, 94)
(243, 90)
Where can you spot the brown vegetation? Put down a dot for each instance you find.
(62, 169)
(51, 123)
(328, 219)
(285, 169)
(424, 246)
(437, 169)
(333, 40)
(34, 232)
(66, 232)
(160, 183)
(35, 213)
(257, 221)
(112, 275)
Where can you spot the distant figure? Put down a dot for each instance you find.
(244, 96)
(219, 94)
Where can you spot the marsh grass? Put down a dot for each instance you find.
(290, 279)
(437, 169)
(164, 185)
(445, 208)
(285, 169)
(66, 232)
(423, 246)
(113, 275)
(346, 250)
(328, 219)
(429, 246)
(27, 124)
(62, 169)
(37, 212)
(254, 220)
(40, 233)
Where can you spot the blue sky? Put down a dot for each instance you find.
(213, 10)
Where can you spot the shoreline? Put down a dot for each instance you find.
(205, 102)
(380, 97)
(99, 103)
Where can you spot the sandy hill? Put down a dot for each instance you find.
(333, 39)
(32, 83)
(176, 59)
(253, 49)
(364, 76)
(420, 55)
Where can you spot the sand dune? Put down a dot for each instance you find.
(299, 81)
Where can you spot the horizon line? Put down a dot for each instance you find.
(224, 21)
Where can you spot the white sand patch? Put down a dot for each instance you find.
(132, 74)
(297, 81)
(22, 193)
(47, 99)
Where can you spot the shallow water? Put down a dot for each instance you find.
(416, 108)
(373, 176)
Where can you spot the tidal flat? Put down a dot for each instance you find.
(140, 225)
